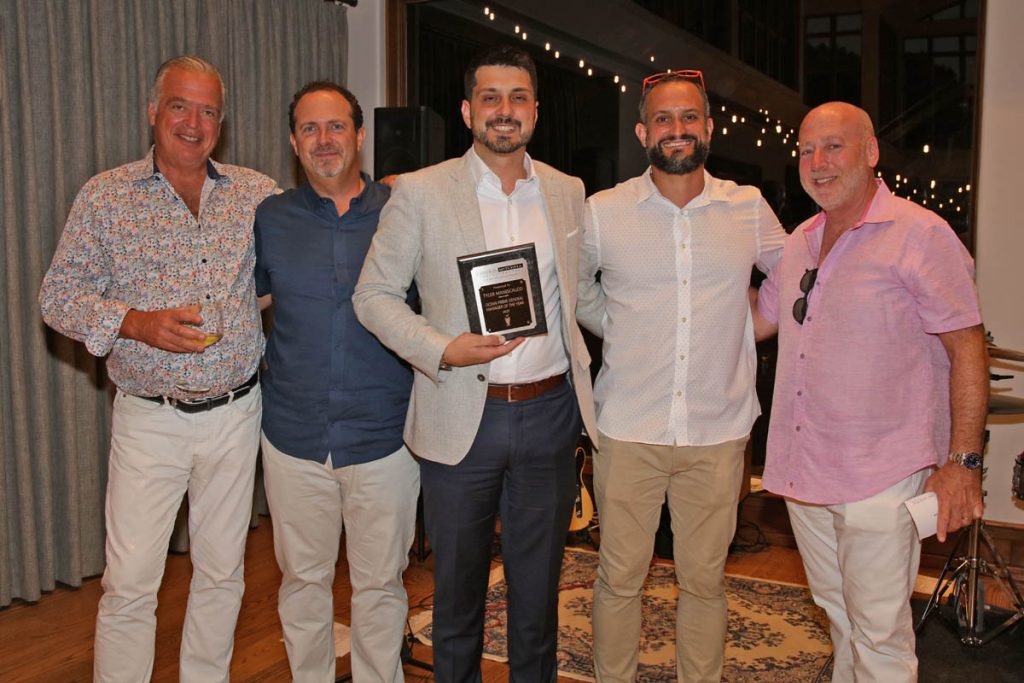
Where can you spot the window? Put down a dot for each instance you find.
(832, 59)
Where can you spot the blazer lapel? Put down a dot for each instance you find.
(462, 190)
(558, 219)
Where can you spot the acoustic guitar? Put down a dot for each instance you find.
(583, 508)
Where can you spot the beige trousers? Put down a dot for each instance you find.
(631, 482)
(157, 454)
(310, 503)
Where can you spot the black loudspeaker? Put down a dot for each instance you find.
(406, 139)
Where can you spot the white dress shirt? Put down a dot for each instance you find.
(511, 220)
(678, 357)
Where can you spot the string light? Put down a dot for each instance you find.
(780, 129)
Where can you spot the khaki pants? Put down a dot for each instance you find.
(631, 482)
(157, 454)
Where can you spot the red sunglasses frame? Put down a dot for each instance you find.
(690, 74)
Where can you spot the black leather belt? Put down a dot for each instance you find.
(203, 404)
(524, 392)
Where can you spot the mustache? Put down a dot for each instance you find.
(503, 120)
(673, 138)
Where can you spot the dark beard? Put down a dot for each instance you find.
(502, 145)
(679, 165)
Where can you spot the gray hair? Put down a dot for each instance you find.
(189, 63)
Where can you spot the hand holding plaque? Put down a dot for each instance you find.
(502, 292)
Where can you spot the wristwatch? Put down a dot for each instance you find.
(971, 461)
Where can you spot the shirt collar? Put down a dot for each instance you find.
(358, 205)
(483, 174)
(149, 169)
(712, 192)
(881, 209)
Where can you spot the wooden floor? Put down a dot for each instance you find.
(52, 640)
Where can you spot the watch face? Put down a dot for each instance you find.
(972, 461)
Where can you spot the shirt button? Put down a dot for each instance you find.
(683, 319)
(809, 318)
(801, 355)
(799, 393)
(682, 356)
(481, 378)
(679, 393)
(204, 260)
(798, 428)
(684, 282)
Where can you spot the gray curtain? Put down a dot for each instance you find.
(74, 79)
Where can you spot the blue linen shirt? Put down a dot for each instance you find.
(330, 387)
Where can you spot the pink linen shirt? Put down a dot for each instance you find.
(862, 387)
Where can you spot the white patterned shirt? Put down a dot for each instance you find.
(672, 307)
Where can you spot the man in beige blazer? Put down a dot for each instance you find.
(493, 422)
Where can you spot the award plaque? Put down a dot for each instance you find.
(502, 291)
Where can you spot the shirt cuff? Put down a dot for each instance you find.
(106, 327)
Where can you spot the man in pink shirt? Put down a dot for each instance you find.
(881, 391)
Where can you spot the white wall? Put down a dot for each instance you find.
(1000, 237)
(366, 65)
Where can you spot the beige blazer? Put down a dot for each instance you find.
(431, 219)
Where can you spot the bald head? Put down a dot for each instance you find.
(841, 114)
(838, 154)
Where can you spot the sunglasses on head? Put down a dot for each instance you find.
(688, 74)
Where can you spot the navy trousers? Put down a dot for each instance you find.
(520, 466)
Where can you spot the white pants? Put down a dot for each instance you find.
(861, 561)
(310, 502)
(158, 453)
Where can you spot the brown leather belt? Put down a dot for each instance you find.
(524, 392)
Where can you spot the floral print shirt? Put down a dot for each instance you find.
(130, 242)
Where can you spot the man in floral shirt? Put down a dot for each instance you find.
(155, 262)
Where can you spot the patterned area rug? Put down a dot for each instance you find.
(776, 633)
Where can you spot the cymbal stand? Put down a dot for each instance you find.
(961, 587)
